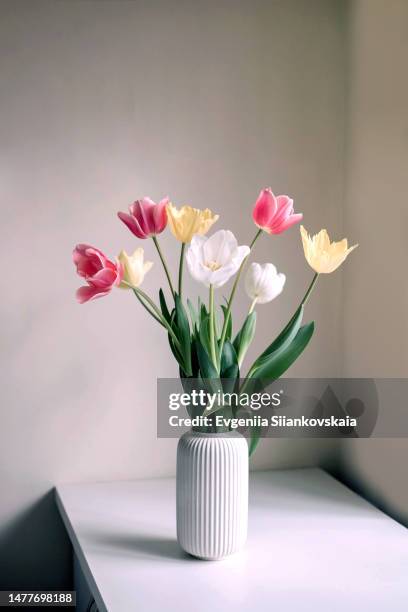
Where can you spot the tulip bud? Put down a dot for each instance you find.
(274, 214)
(263, 283)
(134, 268)
(145, 217)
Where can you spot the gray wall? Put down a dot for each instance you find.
(103, 102)
(375, 303)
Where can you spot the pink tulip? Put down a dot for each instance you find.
(100, 273)
(274, 214)
(146, 218)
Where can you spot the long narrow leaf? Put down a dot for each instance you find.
(207, 368)
(183, 334)
(195, 366)
(284, 339)
(203, 312)
(163, 306)
(228, 334)
(245, 336)
(208, 374)
(275, 364)
(204, 333)
(178, 356)
(228, 358)
(194, 318)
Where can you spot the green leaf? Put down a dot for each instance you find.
(208, 372)
(231, 373)
(183, 334)
(230, 381)
(203, 312)
(229, 368)
(194, 317)
(228, 334)
(284, 339)
(189, 385)
(245, 336)
(205, 384)
(174, 349)
(195, 366)
(207, 368)
(178, 356)
(274, 365)
(228, 357)
(163, 306)
(204, 333)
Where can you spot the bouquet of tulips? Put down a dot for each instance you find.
(201, 337)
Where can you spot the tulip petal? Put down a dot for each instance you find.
(143, 211)
(103, 279)
(219, 247)
(88, 259)
(212, 261)
(85, 294)
(132, 224)
(265, 208)
(96, 254)
(187, 221)
(133, 267)
(160, 215)
(322, 255)
(100, 273)
(223, 274)
(274, 214)
(287, 223)
(285, 209)
(263, 283)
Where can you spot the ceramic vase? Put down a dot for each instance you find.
(212, 494)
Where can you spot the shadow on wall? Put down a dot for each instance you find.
(370, 493)
(36, 537)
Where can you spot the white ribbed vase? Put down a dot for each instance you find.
(212, 494)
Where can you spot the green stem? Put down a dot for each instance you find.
(302, 303)
(149, 300)
(147, 308)
(181, 266)
(258, 233)
(251, 308)
(310, 289)
(158, 314)
(212, 327)
(233, 290)
(156, 244)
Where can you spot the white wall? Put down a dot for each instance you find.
(375, 303)
(103, 102)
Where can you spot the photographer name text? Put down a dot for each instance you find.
(258, 421)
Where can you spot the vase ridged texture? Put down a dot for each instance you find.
(212, 494)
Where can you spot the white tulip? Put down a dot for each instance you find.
(263, 283)
(213, 260)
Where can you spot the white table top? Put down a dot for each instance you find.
(313, 545)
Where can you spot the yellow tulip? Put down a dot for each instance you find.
(187, 221)
(321, 254)
(134, 268)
